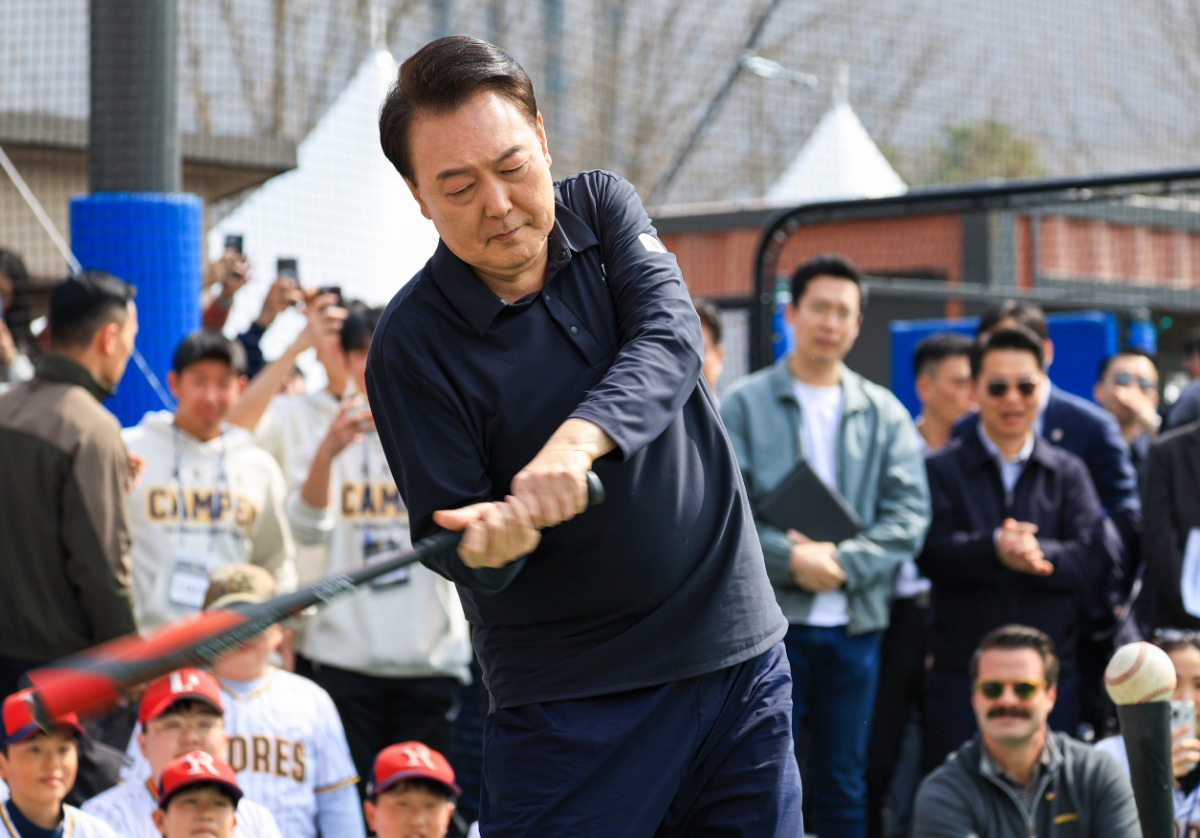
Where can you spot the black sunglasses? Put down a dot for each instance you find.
(1124, 379)
(1023, 690)
(997, 387)
(1172, 636)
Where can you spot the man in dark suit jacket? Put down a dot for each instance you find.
(1076, 425)
(1170, 492)
(1011, 538)
(1092, 434)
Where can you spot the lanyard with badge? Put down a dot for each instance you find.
(189, 573)
(381, 538)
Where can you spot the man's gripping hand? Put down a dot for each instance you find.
(551, 489)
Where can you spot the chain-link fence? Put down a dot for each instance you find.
(695, 101)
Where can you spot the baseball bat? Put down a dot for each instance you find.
(97, 679)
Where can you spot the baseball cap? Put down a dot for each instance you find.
(181, 685)
(19, 723)
(410, 761)
(194, 768)
(238, 583)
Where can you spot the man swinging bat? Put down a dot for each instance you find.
(631, 654)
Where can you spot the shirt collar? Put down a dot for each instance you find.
(989, 765)
(1022, 455)
(477, 303)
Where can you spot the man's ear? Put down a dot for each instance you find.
(160, 820)
(416, 193)
(1047, 354)
(922, 385)
(106, 338)
(369, 814)
(173, 384)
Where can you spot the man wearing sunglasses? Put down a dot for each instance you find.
(1017, 777)
(1010, 540)
(1127, 387)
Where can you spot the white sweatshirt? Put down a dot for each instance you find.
(406, 626)
(199, 506)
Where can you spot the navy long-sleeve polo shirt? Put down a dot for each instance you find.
(663, 581)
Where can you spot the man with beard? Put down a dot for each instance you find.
(1017, 777)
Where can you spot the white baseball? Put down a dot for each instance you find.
(1139, 673)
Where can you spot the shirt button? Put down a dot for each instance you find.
(562, 254)
(574, 330)
(547, 297)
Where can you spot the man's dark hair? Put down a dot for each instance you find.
(430, 787)
(223, 789)
(206, 345)
(827, 264)
(359, 325)
(710, 319)
(441, 77)
(1125, 352)
(1012, 337)
(935, 348)
(1015, 636)
(82, 303)
(1023, 313)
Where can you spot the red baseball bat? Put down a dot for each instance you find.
(97, 679)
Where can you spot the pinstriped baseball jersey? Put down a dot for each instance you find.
(289, 750)
(75, 824)
(127, 809)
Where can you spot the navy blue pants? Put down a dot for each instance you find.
(703, 756)
(834, 676)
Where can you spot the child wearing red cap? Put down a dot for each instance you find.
(411, 793)
(179, 713)
(39, 765)
(198, 795)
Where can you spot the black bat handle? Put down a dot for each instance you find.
(595, 489)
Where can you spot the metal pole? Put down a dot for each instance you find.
(133, 130)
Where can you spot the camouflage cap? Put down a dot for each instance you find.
(238, 583)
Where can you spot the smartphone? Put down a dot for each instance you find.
(286, 266)
(1183, 714)
(331, 289)
(233, 241)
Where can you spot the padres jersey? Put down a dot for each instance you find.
(288, 748)
(201, 505)
(128, 809)
(76, 824)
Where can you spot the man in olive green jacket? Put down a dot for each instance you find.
(64, 532)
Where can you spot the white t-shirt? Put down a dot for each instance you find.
(820, 434)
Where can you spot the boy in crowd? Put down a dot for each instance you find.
(208, 497)
(39, 766)
(286, 741)
(198, 795)
(179, 713)
(411, 793)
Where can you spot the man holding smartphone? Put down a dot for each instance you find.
(393, 655)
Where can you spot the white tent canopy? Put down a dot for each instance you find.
(839, 161)
(344, 213)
